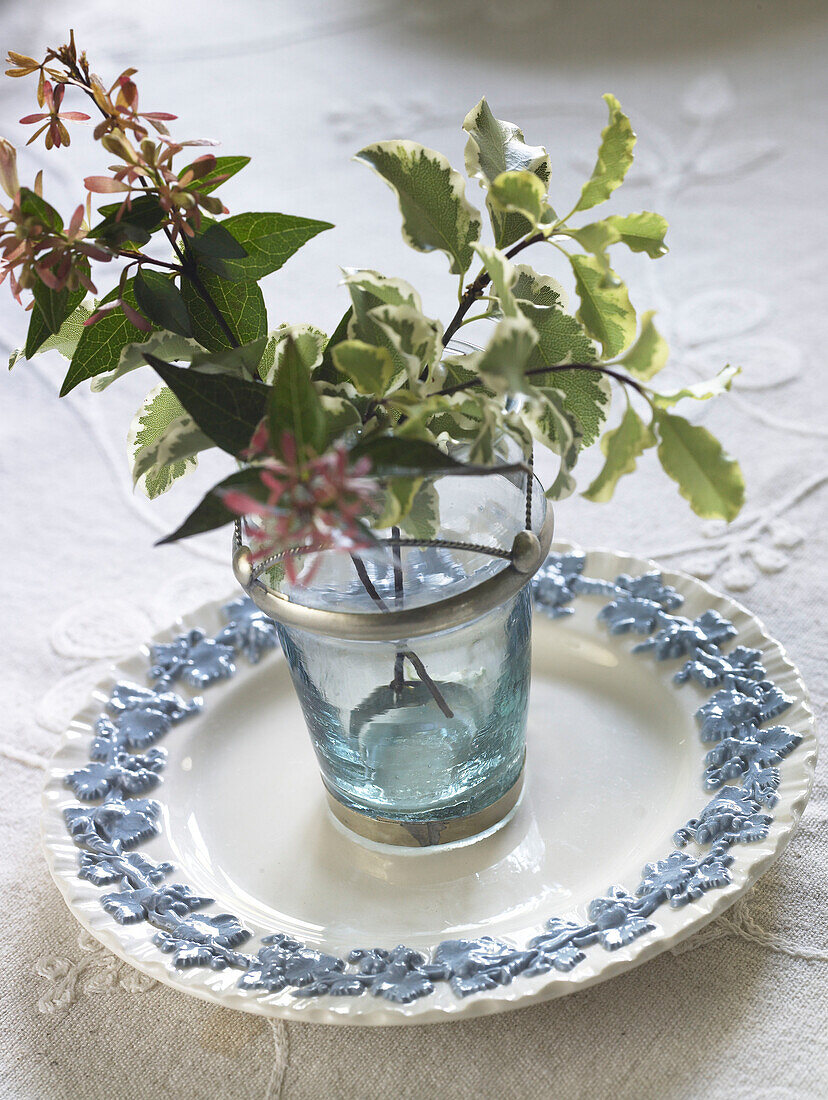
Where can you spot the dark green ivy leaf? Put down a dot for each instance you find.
(212, 512)
(394, 457)
(100, 346)
(268, 241)
(134, 226)
(52, 307)
(34, 206)
(160, 300)
(227, 409)
(240, 303)
(225, 167)
(215, 245)
(294, 405)
(326, 371)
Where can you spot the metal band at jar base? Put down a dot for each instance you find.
(426, 834)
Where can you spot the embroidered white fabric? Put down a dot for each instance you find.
(729, 100)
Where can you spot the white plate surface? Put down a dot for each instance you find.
(614, 768)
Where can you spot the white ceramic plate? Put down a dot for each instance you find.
(615, 766)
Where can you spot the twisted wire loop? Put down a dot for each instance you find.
(530, 484)
(440, 544)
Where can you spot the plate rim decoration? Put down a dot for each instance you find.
(715, 857)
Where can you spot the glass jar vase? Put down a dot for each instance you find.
(411, 662)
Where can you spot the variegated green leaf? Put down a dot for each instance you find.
(341, 416)
(588, 396)
(503, 361)
(541, 290)
(707, 477)
(166, 345)
(422, 520)
(699, 391)
(399, 493)
(436, 213)
(548, 419)
(649, 353)
(615, 155)
(524, 194)
(621, 447)
(606, 311)
(482, 444)
(495, 147)
(369, 368)
(502, 273)
(163, 441)
(642, 232)
(562, 340)
(369, 289)
(65, 340)
(308, 341)
(413, 339)
(595, 238)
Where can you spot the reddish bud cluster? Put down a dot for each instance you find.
(312, 503)
(34, 247)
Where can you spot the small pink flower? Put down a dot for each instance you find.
(56, 132)
(311, 505)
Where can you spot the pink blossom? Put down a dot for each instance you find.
(56, 132)
(310, 505)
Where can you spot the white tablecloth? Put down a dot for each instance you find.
(729, 100)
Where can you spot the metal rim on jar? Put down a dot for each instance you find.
(527, 554)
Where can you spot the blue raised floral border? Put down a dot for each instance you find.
(111, 819)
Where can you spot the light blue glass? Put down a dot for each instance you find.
(432, 728)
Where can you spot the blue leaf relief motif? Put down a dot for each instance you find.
(560, 946)
(560, 579)
(732, 815)
(651, 586)
(680, 878)
(139, 718)
(130, 905)
(193, 658)
(401, 975)
(200, 940)
(740, 669)
(733, 756)
(553, 582)
(481, 964)
(617, 920)
(127, 696)
(679, 636)
(123, 823)
(248, 629)
(284, 961)
(727, 710)
(121, 773)
(627, 613)
(762, 784)
(103, 868)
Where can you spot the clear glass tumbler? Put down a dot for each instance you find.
(421, 740)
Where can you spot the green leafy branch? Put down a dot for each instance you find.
(385, 388)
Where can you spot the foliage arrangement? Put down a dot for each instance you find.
(337, 436)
